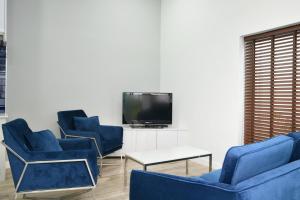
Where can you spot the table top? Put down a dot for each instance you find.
(167, 155)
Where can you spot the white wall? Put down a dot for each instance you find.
(202, 63)
(2, 15)
(68, 54)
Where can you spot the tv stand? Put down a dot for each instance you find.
(148, 126)
(147, 139)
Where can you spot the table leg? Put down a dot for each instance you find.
(210, 162)
(125, 170)
(121, 159)
(186, 167)
(145, 167)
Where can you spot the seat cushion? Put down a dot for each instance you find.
(43, 141)
(296, 150)
(86, 123)
(246, 161)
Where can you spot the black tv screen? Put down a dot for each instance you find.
(147, 108)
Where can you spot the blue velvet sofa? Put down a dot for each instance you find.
(268, 170)
(106, 139)
(72, 166)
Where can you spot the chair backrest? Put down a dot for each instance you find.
(246, 161)
(65, 119)
(14, 137)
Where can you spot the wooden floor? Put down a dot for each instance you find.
(111, 184)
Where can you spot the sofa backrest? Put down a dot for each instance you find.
(65, 119)
(246, 161)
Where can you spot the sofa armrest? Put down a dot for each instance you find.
(280, 183)
(75, 144)
(149, 186)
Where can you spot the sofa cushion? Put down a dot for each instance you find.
(86, 123)
(43, 141)
(296, 150)
(246, 161)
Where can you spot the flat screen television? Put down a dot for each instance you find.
(147, 108)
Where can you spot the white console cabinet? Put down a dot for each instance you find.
(143, 139)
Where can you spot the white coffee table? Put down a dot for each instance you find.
(148, 158)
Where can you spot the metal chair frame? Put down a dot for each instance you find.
(28, 163)
(100, 158)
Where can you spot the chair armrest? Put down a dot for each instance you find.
(57, 176)
(56, 169)
(87, 134)
(59, 170)
(61, 155)
(89, 156)
(81, 134)
(75, 143)
(149, 186)
(112, 128)
(108, 132)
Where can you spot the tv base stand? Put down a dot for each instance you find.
(148, 126)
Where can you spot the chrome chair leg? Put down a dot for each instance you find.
(101, 167)
(101, 163)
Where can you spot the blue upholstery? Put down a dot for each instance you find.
(109, 138)
(43, 141)
(87, 134)
(246, 161)
(48, 175)
(75, 144)
(280, 181)
(296, 150)
(86, 123)
(65, 119)
(212, 177)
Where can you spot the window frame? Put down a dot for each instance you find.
(254, 49)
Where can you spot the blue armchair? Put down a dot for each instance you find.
(260, 171)
(74, 167)
(106, 139)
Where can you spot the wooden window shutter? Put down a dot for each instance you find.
(272, 84)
